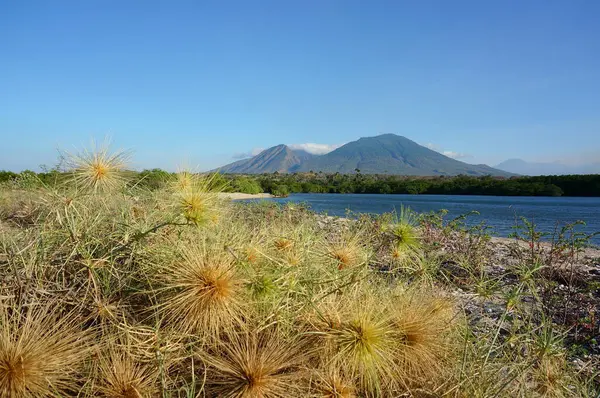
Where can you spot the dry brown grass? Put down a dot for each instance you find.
(205, 292)
(41, 351)
(426, 324)
(121, 375)
(256, 364)
(330, 384)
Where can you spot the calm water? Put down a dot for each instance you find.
(499, 212)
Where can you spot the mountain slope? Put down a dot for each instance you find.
(392, 154)
(279, 158)
(383, 154)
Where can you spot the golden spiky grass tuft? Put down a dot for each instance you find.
(251, 254)
(425, 322)
(41, 351)
(106, 310)
(292, 258)
(197, 197)
(121, 375)
(358, 340)
(404, 230)
(406, 236)
(344, 256)
(410, 260)
(283, 244)
(398, 254)
(183, 181)
(256, 364)
(205, 290)
(198, 207)
(98, 169)
(346, 251)
(330, 384)
(550, 378)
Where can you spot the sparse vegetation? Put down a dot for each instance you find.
(120, 284)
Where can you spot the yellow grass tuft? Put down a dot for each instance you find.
(283, 244)
(106, 310)
(409, 259)
(40, 352)
(406, 236)
(255, 364)
(98, 169)
(424, 323)
(251, 254)
(121, 375)
(551, 376)
(404, 230)
(346, 251)
(344, 256)
(184, 180)
(331, 384)
(206, 293)
(357, 339)
(196, 198)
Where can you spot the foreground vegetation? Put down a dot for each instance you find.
(110, 287)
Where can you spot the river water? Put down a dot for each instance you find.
(499, 212)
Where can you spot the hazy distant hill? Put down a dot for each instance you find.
(383, 154)
(520, 166)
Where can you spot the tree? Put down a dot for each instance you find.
(280, 191)
(245, 185)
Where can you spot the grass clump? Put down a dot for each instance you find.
(121, 375)
(41, 351)
(204, 291)
(196, 198)
(97, 169)
(255, 363)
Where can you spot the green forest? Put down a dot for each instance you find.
(283, 184)
(567, 185)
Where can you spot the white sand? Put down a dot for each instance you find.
(239, 195)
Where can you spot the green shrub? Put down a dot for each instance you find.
(245, 185)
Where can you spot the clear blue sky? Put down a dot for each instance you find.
(196, 82)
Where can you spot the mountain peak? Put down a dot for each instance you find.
(383, 154)
(280, 158)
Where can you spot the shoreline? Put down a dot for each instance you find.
(241, 196)
(442, 194)
(591, 251)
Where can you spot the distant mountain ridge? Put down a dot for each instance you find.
(521, 166)
(383, 154)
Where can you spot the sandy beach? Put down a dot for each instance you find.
(239, 195)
